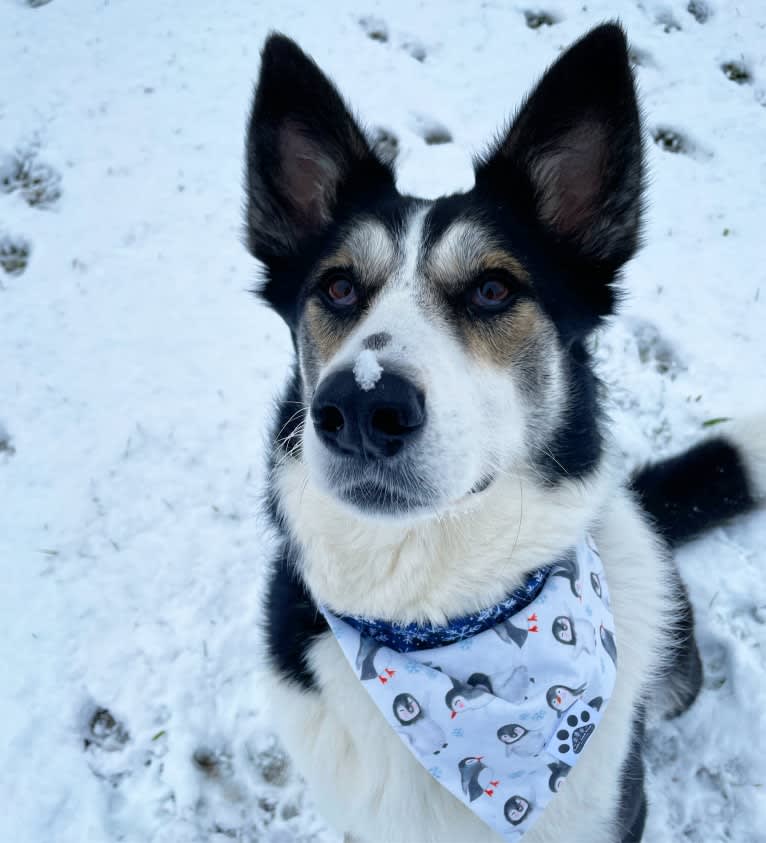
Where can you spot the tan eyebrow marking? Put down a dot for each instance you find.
(500, 259)
(367, 248)
(465, 250)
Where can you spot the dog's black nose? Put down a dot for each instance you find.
(374, 423)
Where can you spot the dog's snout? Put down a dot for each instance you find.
(374, 423)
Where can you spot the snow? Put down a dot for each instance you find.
(367, 370)
(139, 375)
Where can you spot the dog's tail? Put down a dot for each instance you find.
(722, 477)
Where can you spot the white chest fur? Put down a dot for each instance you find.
(368, 784)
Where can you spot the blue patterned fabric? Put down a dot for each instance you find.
(407, 638)
(498, 717)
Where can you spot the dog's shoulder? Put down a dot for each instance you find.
(292, 621)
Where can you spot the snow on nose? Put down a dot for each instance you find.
(367, 369)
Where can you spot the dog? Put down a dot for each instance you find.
(443, 432)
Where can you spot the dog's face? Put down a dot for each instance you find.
(440, 344)
(419, 332)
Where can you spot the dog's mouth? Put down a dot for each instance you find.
(377, 498)
(393, 497)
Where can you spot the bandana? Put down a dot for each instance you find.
(498, 707)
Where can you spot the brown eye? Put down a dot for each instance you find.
(341, 292)
(490, 293)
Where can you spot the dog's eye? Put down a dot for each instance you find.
(492, 292)
(341, 291)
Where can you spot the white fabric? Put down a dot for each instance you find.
(500, 718)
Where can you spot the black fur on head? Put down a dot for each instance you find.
(568, 174)
(308, 165)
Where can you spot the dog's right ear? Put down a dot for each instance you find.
(306, 155)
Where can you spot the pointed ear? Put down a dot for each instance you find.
(574, 151)
(305, 153)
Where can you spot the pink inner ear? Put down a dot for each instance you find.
(309, 177)
(569, 178)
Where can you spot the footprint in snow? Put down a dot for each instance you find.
(415, 49)
(385, 142)
(23, 172)
(374, 28)
(736, 71)
(433, 132)
(104, 731)
(14, 254)
(536, 20)
(6, 445)
(698, 10)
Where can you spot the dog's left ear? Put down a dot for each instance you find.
(574, 152)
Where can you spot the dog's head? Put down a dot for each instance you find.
(441, 344)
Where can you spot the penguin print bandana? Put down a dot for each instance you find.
(499, 717)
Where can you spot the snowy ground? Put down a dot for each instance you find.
(138, 376)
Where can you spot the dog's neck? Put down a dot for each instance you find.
(439, 567)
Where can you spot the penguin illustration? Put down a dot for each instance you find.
(562, 698)
(511, 634)
(607, 639)
(365, 661)
(520, 741)
(569, 569)
(559, 772)
(425, 735)
(517, 809)
(476, 778)
(595, 582)
(464, 696)
(581, 637)
(513, 685)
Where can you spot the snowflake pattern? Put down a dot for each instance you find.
(404, 638)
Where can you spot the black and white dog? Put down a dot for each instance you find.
(443, 435)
